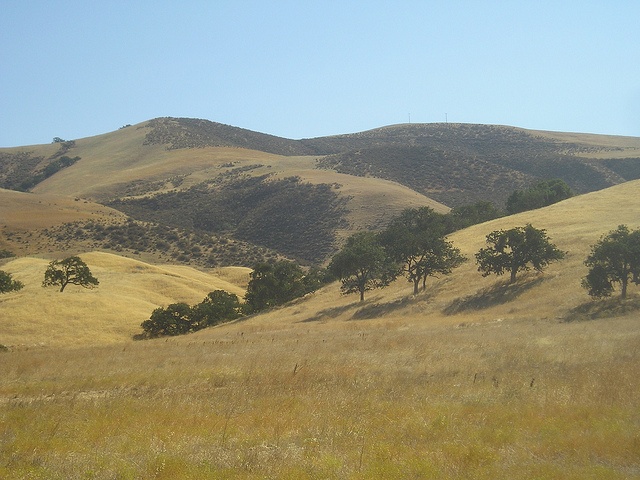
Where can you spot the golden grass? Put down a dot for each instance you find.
(471, 379)
(129, 291)
(23, 214)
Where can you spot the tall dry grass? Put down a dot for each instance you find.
(360, 399)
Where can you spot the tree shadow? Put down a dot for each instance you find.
(375, 310)
(328, 313)
(595, 309)
(497, 294)
(370, 309)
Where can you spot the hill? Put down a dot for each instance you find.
(462, 297)
(129, 291)
(257, 191)
(471, 379)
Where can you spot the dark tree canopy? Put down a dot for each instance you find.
(273, 284)
(8, 284)
(217, 307)
(71, 270)
(614, 259)
(180, 318)
(416, 241)
(467, 215)
(540, 195)
(363, 264)
(516, 249)
(173, 320)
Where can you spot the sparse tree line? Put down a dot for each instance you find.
(414, 245)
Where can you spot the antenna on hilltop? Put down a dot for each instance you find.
(409, 118)
(446, 118)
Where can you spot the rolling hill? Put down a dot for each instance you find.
(353, 181)
(460, 298)
(472, 378)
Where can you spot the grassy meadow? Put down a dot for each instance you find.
(472, 378)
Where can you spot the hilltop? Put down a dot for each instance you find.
(205, 184)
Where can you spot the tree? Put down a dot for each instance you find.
(615, 258)
(69, 270)
(467, 215)
(540, 195)
(363, 264)
(217, 307)
(273, 284)
(173, 320)
(416, 240)
(8, 284)
(515, 249)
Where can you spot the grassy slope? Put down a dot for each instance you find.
(330, 388)
(129, 290)
(22, 215)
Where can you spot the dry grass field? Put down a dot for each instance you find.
(470, 379)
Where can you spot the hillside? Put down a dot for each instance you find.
(349, 182)
(460, 298)
(128, 292)
(471, 379)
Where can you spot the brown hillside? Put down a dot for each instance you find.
(24, 215)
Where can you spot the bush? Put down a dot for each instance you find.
(540, 195)
(7, 284)
(180, 318)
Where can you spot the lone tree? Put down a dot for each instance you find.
(615, 258)
(416, 240)
(8, 284)
(69, 270)
(363, 264)
(515, 250)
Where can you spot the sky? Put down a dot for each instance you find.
(303, 69)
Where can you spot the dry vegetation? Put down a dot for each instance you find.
(471, 379)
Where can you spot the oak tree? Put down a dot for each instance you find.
(614, 259)
(8, 284)
(363, 264)
(515, 250)
(71, 270)
(415, 239)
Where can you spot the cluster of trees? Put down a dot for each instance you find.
(539, 195)
(415, 244)
(180, 318)
(270, 285)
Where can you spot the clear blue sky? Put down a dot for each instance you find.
(302, 69)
